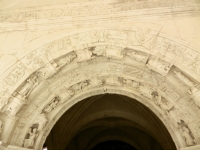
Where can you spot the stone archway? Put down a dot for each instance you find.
(97, 68)
(111, 117)
(58, 69)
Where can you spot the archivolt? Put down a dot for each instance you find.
(147, 64)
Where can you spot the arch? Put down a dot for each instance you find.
(106, 138)
(95, 62)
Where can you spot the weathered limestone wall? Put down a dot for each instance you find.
(154, 44)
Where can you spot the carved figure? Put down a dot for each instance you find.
(30, 84)
(29, 142)
(80, 86)
(160, 101)
(52, 105)
(48, 70)
(129, 83)
(65, 94)
(41, 121)
(109, 52)
(66, 60)
(145, 90)
(159, 66)
(137, 57)
(195, 94)
(186, 133)
(183, 79)
(112, 81)
(114, 53)
(187, 137)
(99, 51)
(84, 55)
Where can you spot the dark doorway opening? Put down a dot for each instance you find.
(113, 145)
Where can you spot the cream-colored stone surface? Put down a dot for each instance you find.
(56, 53)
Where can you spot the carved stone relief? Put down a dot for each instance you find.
(97, 36)
(84, 55)
(36, 59)
(183, 79)
(151, 78)
(112, 81)
(169, 91)
(108, 51)
(128, 83)
(52, 105)
(40, 121)
(13, 106)
(194, 92)
(65, 60)
(80, 40)
(132, 71)
(188, 113)
(26, 89)
(16, 73)
(137, 56)
(162, 102)
(191, 59)
(169, 48)
(117, 38)
(186, 133)
(80, 86)
(159, 66)
(146, 90)
(140, 37)
(49, 70)
(30, 138)
(64, 94)
(68, 10)
(59, 47)
(34, 131)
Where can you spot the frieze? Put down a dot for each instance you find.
(169, 48)
(15, 75)
(191, 60)
(141, 37)
(67, 10)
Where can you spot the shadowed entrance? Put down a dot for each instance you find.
(113, 145)
(109, 117)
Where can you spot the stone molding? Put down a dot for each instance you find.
(72, 16)
(196, 147)
(86, 50)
